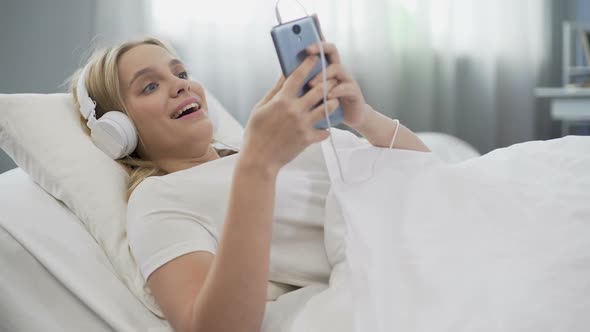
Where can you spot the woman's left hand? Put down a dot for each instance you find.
(347, 90)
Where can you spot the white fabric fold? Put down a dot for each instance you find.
(495, 243)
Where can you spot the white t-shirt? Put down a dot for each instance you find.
(182, 212)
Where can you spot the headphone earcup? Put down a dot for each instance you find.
(114, 134)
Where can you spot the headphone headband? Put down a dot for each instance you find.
(87, 105)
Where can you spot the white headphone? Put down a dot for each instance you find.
(114, 133)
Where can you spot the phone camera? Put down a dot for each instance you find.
(296, 29)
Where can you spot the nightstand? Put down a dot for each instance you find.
(569, 105)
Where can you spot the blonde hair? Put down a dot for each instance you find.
(102, 83)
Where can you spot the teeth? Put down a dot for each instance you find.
(186, 108)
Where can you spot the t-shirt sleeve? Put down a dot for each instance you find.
(159, 230)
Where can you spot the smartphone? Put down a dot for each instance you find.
(290, 40)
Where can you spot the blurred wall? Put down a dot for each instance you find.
(42, 43)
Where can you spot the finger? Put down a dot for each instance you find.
(330, 51)
(316, 94)
(319, 112)
(342, 90)
(274, 90)
(295, 80)
(336, 71)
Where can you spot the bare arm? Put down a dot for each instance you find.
(227, 292)
(231, 286)
(378, 129)
(234, 292)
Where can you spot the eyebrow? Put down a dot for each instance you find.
(146, 70)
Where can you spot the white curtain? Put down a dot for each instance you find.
(116, 21)
(462, 67)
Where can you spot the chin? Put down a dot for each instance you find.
(207, 126)
(204, 130)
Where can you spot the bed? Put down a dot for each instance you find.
(502, 246)
(57, 276)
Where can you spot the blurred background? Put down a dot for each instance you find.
(469, 68)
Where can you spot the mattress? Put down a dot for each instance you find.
(46, 305)
(69, 285)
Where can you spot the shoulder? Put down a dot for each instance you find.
(151, 194)
(149, 187)
(158, 186)
(171, 191)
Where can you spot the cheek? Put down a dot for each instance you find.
(197, 87)
(146, 110)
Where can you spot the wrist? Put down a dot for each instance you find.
(362, 125)
(248, 164)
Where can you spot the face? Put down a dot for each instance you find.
(156, 90)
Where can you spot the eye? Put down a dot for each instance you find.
(183, 75)
(150, 88)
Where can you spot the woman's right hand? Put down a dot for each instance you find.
(282, 124)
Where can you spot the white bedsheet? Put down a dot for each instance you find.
(496, 243)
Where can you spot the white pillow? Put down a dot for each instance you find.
(44, 136)
(449, 148)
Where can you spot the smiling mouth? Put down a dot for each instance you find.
(188, 109)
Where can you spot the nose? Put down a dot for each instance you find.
(180, 85)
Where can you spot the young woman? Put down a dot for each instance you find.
(211, 228)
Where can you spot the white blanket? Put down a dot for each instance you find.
(495, 243)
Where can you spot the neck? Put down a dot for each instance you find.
(175, 165)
